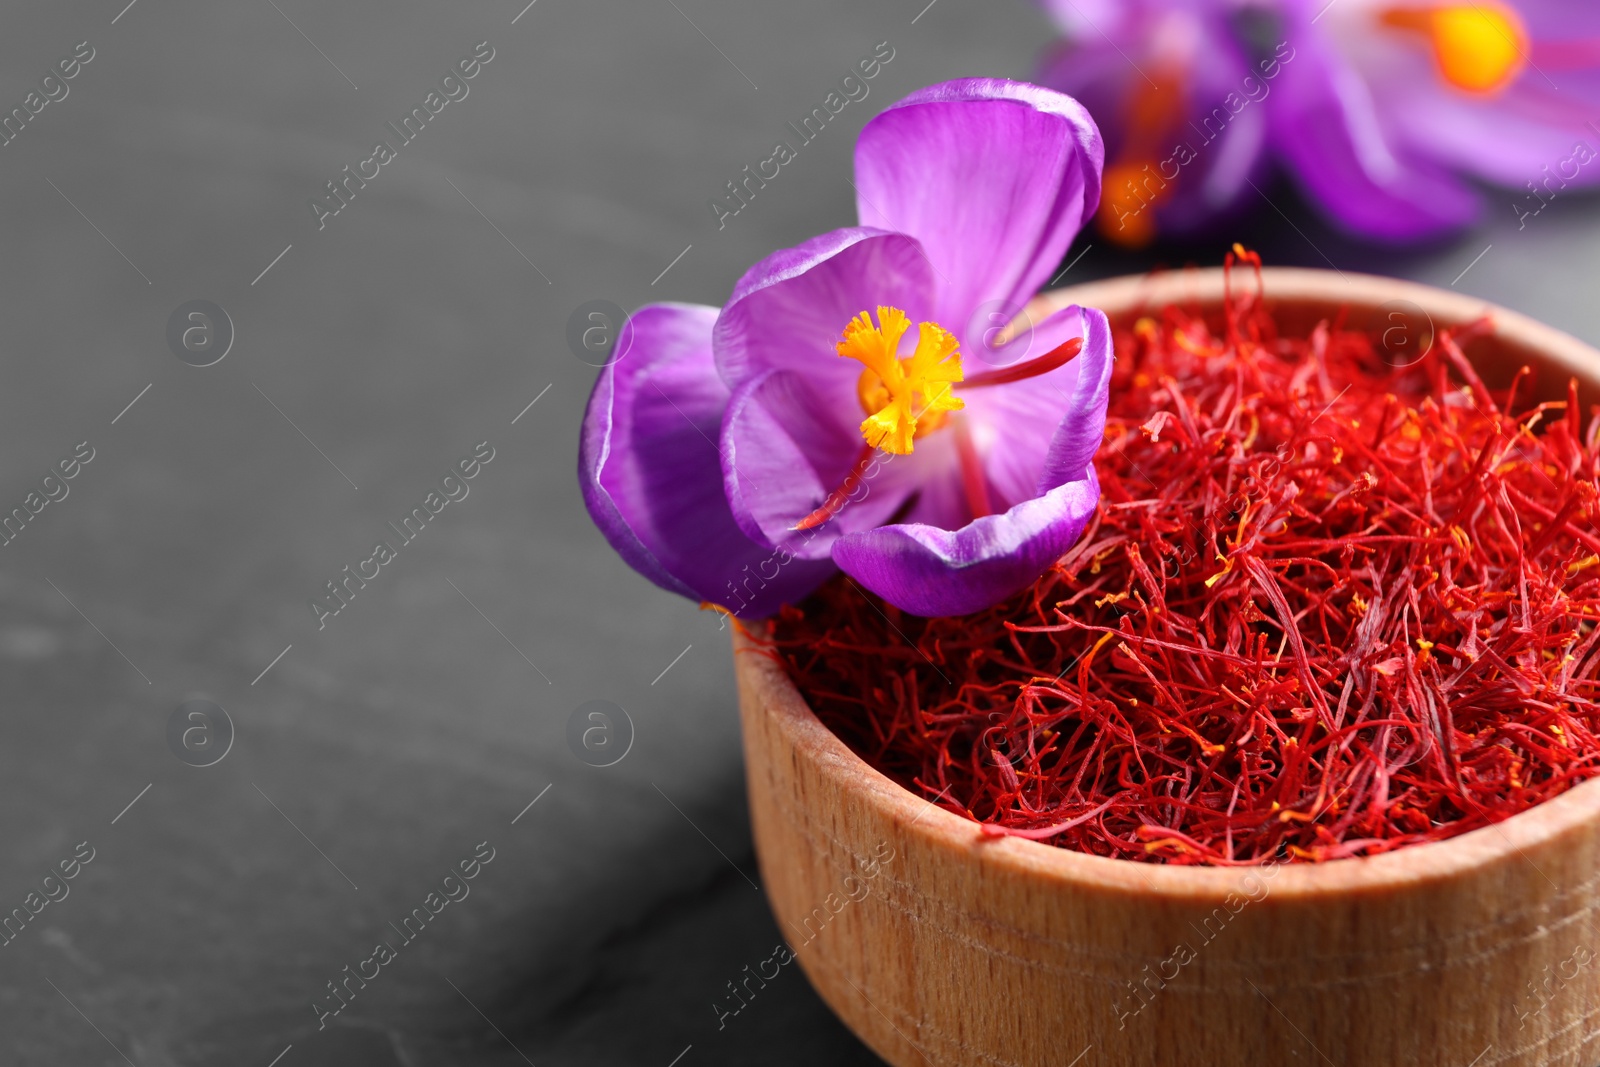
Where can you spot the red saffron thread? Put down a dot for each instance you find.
(1327, 608)
(840, 497)
(1058, 356)
(973, 484)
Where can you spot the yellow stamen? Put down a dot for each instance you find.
(1480, 47)
(903, 398)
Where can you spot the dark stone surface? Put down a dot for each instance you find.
(382, 749)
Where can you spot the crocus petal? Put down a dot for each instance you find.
(939, 498)
(652, 476)
(790, 309)
(1085, 17)
(1029, 337)
(1233, 162)
(1506, 137)
(993, 178)
(1013, 425)
(928, 571)
(1533, 131)
(1328, 132)
(1083, 421)
(1561, 22)
(786, 449)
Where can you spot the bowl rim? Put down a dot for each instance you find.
(1411, 866)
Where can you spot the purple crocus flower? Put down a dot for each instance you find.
(1152, 71)
(824, 418)
(1383, 111)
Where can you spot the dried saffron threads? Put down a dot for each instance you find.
(1327, 607)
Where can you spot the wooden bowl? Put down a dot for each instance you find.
(938, 945)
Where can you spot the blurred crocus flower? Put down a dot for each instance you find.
(1177, 86)
(824, 419)
(1382, 111)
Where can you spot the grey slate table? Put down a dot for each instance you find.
(372, 756)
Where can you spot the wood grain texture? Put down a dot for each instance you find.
(939, 946)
